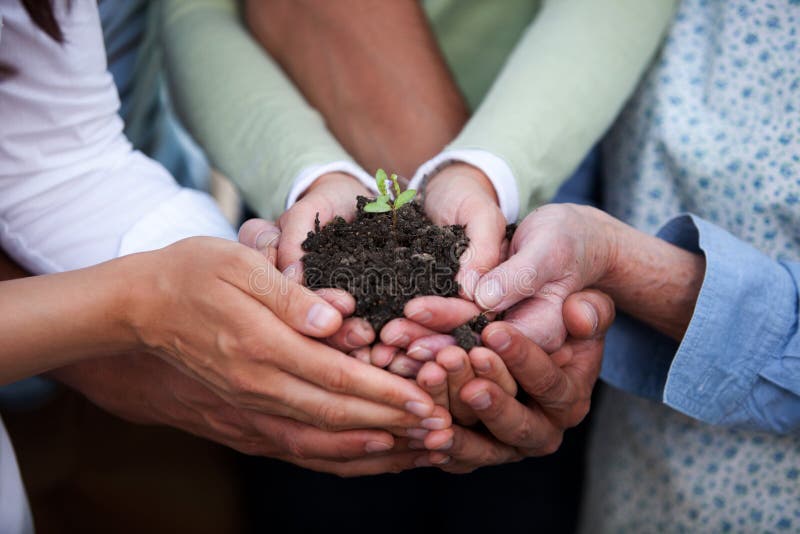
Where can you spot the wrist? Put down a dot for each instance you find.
(341, 181)
(456, 175)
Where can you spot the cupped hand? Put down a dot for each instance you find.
(559, 388)
(355, 333)
(222, 313)
(462, 194)
(556, 250)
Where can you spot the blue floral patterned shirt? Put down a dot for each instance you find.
(704, 436)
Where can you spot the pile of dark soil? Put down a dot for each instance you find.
(384, 263)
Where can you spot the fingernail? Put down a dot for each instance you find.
(321, 316)
(434, 423)
(421, 316)
(446, 445)
(437, 380)
(267, 238)
(455, 366)
(489, 294)
(422, 461)
(420, 353)
(443, 461)
(420, 409)
(416, 445)
(399, 341)
(591, 314)
(357, 337)
(481, 401)
(481, 365)
(377, 446)
(417, 433)
(499, 340)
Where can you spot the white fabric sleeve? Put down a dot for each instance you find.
(309, 175)
(495, 168)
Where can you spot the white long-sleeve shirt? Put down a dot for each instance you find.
(73, 192)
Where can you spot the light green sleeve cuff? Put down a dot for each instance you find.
(255, 126)
(562, 87)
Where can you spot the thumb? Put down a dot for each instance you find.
(588, 314)
(261, 235)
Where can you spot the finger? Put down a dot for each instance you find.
(588, 314)
(362, 354)
(390, 463)
(354, 333)
(509, 421)
(533, 368)
(486, 364)
(540, 320)
(306, 441)
(441, 314)
(426, 348)
(326, 410)
(459, 371)
(404, 366)
(336, 372)
(470, 450)
(295, 224)
(485, 228)
(432, 378)
(401, 332)
(292, 303)
(522, 275)
(339, 299)
(259, 234)
(382, 355)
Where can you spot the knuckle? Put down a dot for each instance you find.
(548, 383)
(337, 380)
(551, 445)
(523, 435)
(331, 417)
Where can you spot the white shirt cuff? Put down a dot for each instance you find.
(188, 213)
(494, 167)
(309, 175)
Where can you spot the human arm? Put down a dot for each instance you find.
(562, 86)
(372, 69)
(733, 310)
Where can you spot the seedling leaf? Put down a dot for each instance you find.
(377, 207)
(380, 178)
(404, 198)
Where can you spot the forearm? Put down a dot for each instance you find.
(372, 69)
(650, 279)
(55, 320)
(561, 88)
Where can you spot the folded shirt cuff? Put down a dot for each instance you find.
(309, 175)
(188, 213)
(744, 315)
(495, 168)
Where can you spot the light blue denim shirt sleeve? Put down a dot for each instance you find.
(739, 361)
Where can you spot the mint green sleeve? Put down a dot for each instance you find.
(238, 104)
(562, 86)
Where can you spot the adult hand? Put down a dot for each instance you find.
(265, 236)
(144, 389)
(224, 315)
(559, 387)
(556, 250)
(462, 194)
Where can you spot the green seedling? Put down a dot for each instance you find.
(384, 202)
